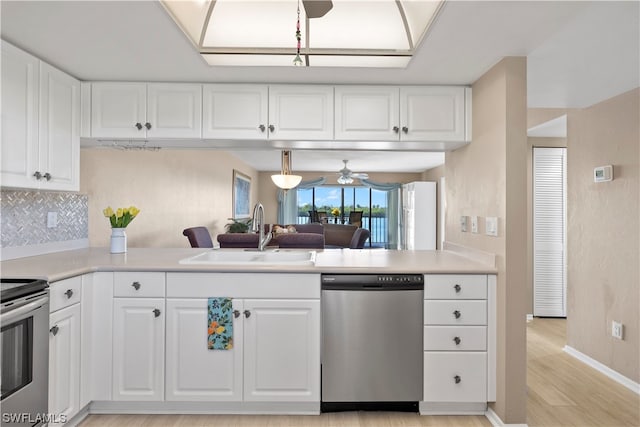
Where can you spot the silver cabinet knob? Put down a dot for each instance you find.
(47, 176)
(54, 330)
(262, 128)
(457, 314)
(457, 288)
(69, 293)
(138, 126)
(247, 313)
(156, 312)
(136, 285)
(457, 340)
(236, 313)
(405, 129)
(396, 129)
(37, 175)
(147, 125)
(272, 128)
(457, 379)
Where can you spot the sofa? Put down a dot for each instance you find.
(338, 235)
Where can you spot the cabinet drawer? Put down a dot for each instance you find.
(136, 284)
(469, 338)
(464, 312)
(455, 377)
(455, 286)
(65, 293)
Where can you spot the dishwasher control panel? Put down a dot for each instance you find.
(372, 281)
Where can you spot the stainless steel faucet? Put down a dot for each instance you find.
(257, 226)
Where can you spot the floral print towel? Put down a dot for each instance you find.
(219, 324)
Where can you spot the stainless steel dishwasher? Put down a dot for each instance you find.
(372, 331)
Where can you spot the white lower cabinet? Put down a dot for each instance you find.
(275, 355)
(138, 349)
(64, 362)
(457, 377)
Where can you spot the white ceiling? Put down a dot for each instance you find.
(579, 53)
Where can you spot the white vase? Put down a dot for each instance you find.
(118, 241)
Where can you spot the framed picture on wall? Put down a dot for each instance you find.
(241, 194)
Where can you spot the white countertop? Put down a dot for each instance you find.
(60, 265)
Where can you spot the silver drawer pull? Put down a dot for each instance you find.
(69, 293)
(247, 313)
(457, 379)
(54, 330)
(156, 312)
(136, 285)
(457, 314)
(457, 288)
(457, 340)
(236, 313)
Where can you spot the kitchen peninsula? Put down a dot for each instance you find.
(131, 330)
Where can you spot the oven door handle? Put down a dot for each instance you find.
(19, 312)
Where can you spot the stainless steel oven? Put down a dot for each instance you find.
(24, 352)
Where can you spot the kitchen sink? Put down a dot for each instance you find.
(253, 257)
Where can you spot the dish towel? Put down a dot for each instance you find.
(219, 323)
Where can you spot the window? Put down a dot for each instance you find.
(318, 203)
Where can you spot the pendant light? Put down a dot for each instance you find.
(285, 180)
(297, 61)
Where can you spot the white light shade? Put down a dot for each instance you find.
(286, 182)
(367, 33)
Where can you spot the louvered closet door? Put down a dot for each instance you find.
(549, 232)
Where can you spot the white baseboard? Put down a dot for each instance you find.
(614, 375)
(495, 420)
(529, 317)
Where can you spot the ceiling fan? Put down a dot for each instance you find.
(347, 175)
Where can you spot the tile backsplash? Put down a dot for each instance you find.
(24, 217)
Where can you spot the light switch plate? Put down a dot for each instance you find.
(463, 223)
(491, 226)
(52, 219)
(474, 224)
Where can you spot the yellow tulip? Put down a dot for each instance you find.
(119, 213)
(134, 211)
(108, 212)
(125, 210)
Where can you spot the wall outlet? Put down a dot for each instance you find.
(474, 224)
(463, 223)
(52, 219)
(617, 330)
(491, 226)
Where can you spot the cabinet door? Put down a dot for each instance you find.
(117, 109)
(174, 110)
(19, 118)
(433, 113)
(367, 113)
(138, 349)
(64, 362)
(195, 373)
(235, 111)
(282, 350)
(301, 112)
(59, 129)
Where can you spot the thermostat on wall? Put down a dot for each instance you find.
(603, 173)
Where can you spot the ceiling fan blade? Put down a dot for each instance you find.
(317, 8)
(360, 175)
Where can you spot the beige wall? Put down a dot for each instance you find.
(434, 175)
(537, 116)
(535, 142)
(488, 178)
(604, 232)
(268, 193)
(174, 189)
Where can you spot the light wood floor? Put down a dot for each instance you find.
(561, 392)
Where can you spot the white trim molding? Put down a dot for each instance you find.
(495, 420)
(14, 252)
(529, 317)
(614, 375)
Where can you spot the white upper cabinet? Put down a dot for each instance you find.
(40, 124)
(301, 112)
(235, 111)
(435, 113)
(138, 110)
(411, 113)
(367, 113)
